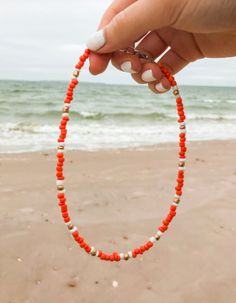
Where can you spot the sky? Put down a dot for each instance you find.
(42, 39)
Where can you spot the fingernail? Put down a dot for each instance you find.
(160, 88)
(147, 76)
(127, 67)
(96, 41)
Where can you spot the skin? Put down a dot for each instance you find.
(186, 30)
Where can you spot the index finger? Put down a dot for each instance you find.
(99, 62)
(115, 8)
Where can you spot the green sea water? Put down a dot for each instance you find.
(109, 116)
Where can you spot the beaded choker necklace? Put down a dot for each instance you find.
(61, 194)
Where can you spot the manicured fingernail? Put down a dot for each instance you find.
(127, 67)
(147, 76)
(160, 88)
(96, 41)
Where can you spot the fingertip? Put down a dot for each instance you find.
(126, 62)
(93, 71)
(165, 83)
(160, 87)
(98, 63)
(151, 73)
(137, 78)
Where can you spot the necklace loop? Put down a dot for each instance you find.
(61, 193)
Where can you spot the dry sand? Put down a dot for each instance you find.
(118, 198)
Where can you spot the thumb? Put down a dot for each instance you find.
(132, 23)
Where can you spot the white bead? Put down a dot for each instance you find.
(73, 229)
(61, 191)
(59, 182)
(60, 151)
(175, 204)
(182, 168)
(183, 131)
(177, 96)
(115, 284)
(66, 105)
(97, 253)
(122, 255)
(182, 123)
(92, 249)
(65, 115)
(59, 148)
(130, 254)
(152, 239)
(182, 159)
(68, 223)
(177, 196)
(61, 144)
(159, 233)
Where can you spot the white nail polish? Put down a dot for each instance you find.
(127, 67)
(147, 76)
(96, 41)
(160, 88)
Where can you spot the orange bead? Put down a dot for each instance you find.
(82, 244)
(67, 219)
(75, 234)
(79, 65)
(65, 215)
(163, 228)
(75, 81)
(64, 208)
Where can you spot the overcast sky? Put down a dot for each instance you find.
(42, 39)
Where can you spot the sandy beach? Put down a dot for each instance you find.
(118, 198)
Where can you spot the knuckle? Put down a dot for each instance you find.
(120, 20)
(117, 32)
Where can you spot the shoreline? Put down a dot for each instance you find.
(128, 148)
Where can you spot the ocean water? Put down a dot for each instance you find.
(109, 116)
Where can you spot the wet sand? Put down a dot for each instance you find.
(118, 198)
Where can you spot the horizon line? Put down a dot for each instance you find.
(105, 83)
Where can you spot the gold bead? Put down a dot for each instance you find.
(65, 109)
(60, 147)
(176, 200)
(182, 127)
(181, 164)
(176, 92)
(76, 73)
(93, 253)
(157, 237)
(126, 257)
(60, 187)
(70, 226)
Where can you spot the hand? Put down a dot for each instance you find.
(191, 29)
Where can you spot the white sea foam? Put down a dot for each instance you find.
(107, 116)
(95, 136)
